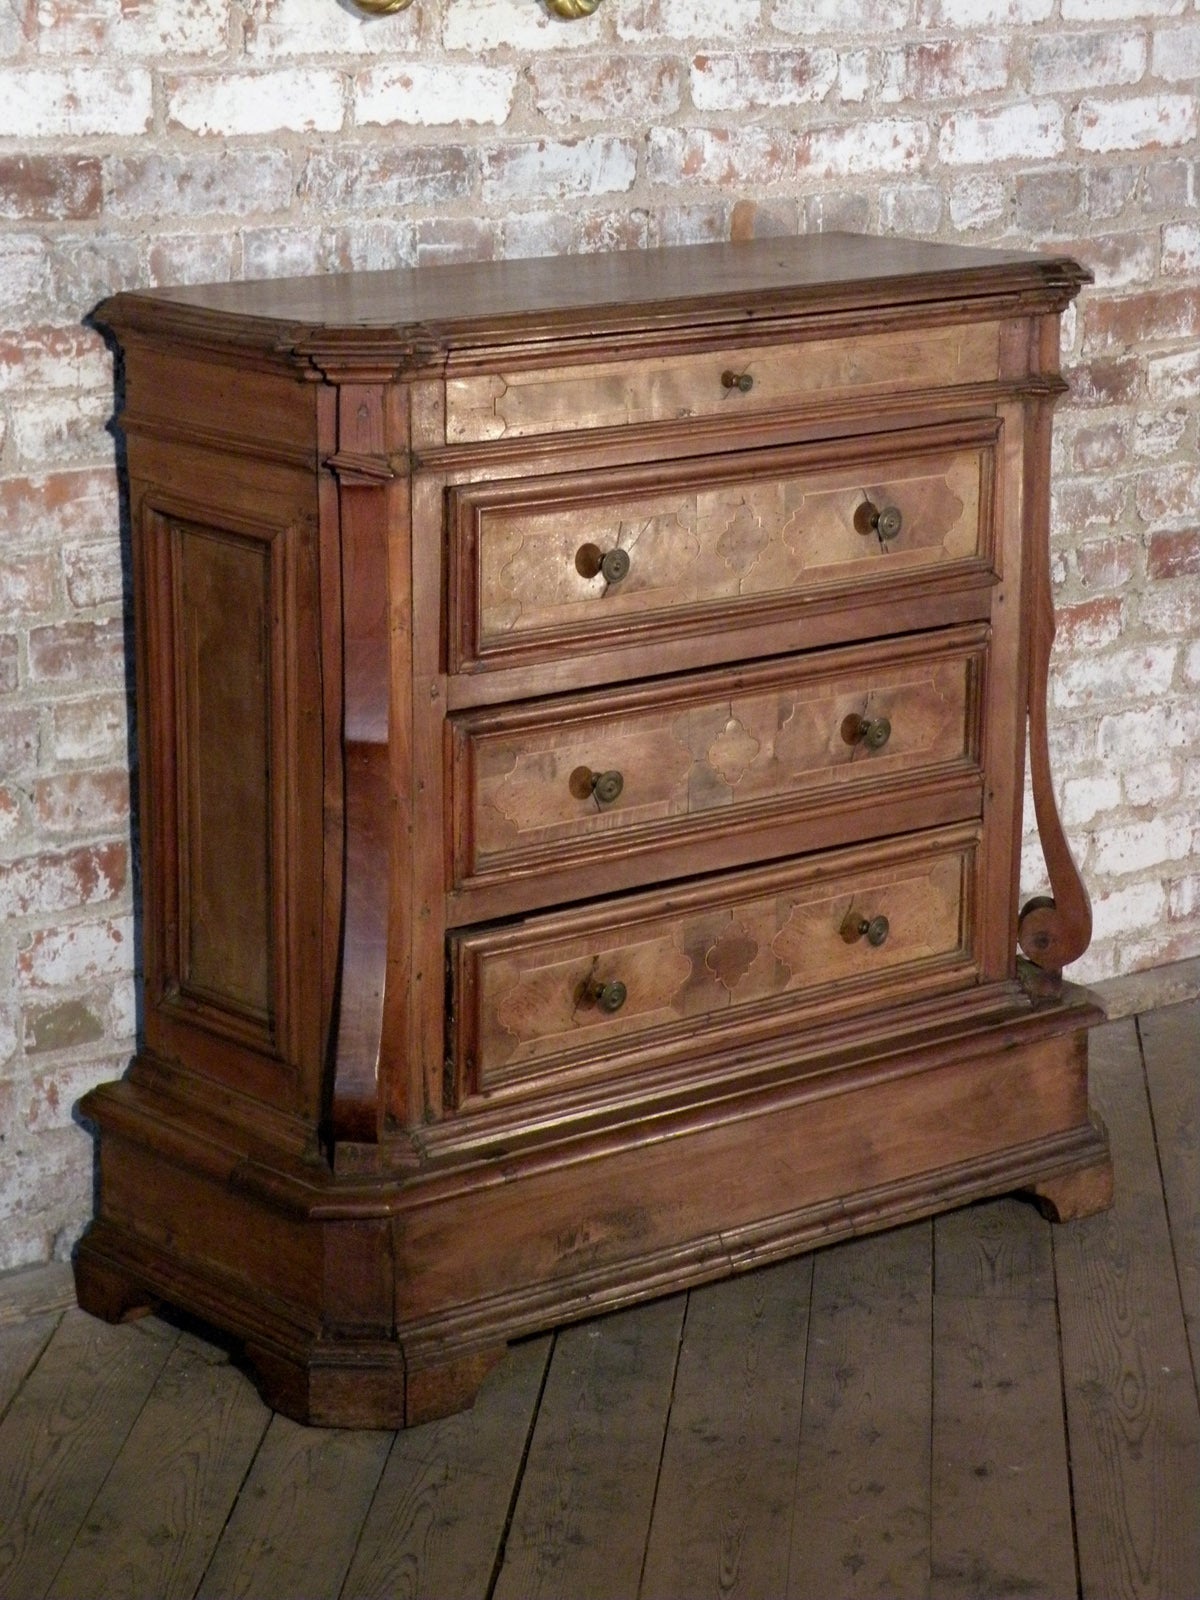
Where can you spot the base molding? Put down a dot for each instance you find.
(384, 1302)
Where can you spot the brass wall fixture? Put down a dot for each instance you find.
(560, 8)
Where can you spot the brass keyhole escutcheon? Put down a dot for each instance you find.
(885, 522)
(741, 381)
(611, 565)
(607, 997)
(871, 732)
(603, 787)
(874, 929)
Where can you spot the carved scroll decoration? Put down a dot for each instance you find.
(569, 9)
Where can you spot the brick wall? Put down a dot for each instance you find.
(151, 141)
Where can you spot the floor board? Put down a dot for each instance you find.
(982, 1405)
(1132, 1412)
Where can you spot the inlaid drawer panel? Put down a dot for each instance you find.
(558, 564)
(626, 768)
(577, 988)
(517, 403)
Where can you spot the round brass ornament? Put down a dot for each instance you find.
(382, 8)
(572, 8)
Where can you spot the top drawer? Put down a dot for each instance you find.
(517, 404)
(562, 566)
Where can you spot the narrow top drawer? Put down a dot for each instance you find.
(543, 400)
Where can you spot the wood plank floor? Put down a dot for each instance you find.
(981, 1406)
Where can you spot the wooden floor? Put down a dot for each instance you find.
(979, 1406)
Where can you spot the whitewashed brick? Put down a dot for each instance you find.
(83, 953)
(292, 28)
(300, 100)
(550, 169)
(1153, 783)
(484, 26)
(1086, 60)
(24, 271)
(1123, 911)
(1174, 377)
(889, 146)
(846, 17)
(1159, 433)
(74, 102)
(1141, 846)
(1127, 739)
(1096, 11)
(1084, 799)
(985, 13)
(1117, 675)
(1143, 123)
(1175, 54)
(431, 94)
(688, 19)
(979, 202)
(59, 427)
(728, 82)
(1181, 248)
(1027, 132)
(1191, 662)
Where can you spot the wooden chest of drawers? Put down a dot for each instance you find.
(582, 713)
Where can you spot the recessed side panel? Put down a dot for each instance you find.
(222, 618)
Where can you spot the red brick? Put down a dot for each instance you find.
(60, 505)
(1115, 382)
(1174, 555)
(888, 145)
(93, 573)
(49, 188)
(1141, 319)
(1089, 624)
(60, 881)
(77, 652)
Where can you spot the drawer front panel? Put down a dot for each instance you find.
(516, 404)
(750, 949)
(627, 769)
(554, 567)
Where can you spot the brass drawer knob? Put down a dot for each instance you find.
(608, 997)
(873, 732)
(856, 926)
(741, 381)
(611, 565)
(883, 521)
(603, 787)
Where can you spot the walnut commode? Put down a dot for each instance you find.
(582, 717)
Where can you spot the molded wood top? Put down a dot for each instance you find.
(420, 312)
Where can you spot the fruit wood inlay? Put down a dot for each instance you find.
(774, 939)
(755, 535)
(515, 404)
(696, 752)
